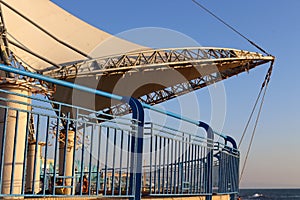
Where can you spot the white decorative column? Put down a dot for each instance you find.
(68, 163)
(31, 159)
(15, 123)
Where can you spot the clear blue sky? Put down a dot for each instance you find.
(274, 160)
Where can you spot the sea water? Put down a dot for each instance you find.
(277, 194)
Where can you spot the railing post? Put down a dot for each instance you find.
(209, 164)
(136, 147)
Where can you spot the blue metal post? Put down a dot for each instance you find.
(136, 147)
(209, 164)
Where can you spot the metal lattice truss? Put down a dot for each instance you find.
(157, 59)
(228, 62)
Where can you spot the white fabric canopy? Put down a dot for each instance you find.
(60, 24)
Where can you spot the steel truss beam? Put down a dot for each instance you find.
(157, 59)
(181, 89)
(229, 62)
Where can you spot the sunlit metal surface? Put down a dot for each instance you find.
(154, 76)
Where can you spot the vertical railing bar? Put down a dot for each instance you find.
(220, 189)
(121, 160)
(195, 167)
(98, 161)
(227, 173)
(224, 172)
(159, 164)
(202, 168)
(183, 160)
(128, 161)
(175, 167)
(25, 153)
(197, 157)
(179, 166)
(189, 161)
(91, 158)
(206, 171)
(164, 166)
(237, 171)
(46, 152)
(168, 162)
(211, 158)
(106, 160)
(3, 147)
(198, 167)
(36, 150)
(114, 163)
(75, 123)
(133, 148)
(82, 158)
(55, 154)
(151, 157)
(155, 164)
(236, 175)
(186, 163)
(14, 153)
(220, 173)
(232, 175)
(172, 163)
(66, 148)
(138, 114)
(192, 168)
(232, 171)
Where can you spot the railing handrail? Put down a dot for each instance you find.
(185, 162)
(97, 92)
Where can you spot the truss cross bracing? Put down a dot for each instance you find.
(200, 67)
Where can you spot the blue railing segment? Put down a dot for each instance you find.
(121, 157)
(60, 82)
(184, 163)
(97, 92)
(45, 128)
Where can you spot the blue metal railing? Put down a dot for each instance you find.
(89, 140)
(111, 157)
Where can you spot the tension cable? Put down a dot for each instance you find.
(263, 91)
(230, 27)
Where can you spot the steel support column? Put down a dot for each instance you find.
(209, 162)
(136, 147)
